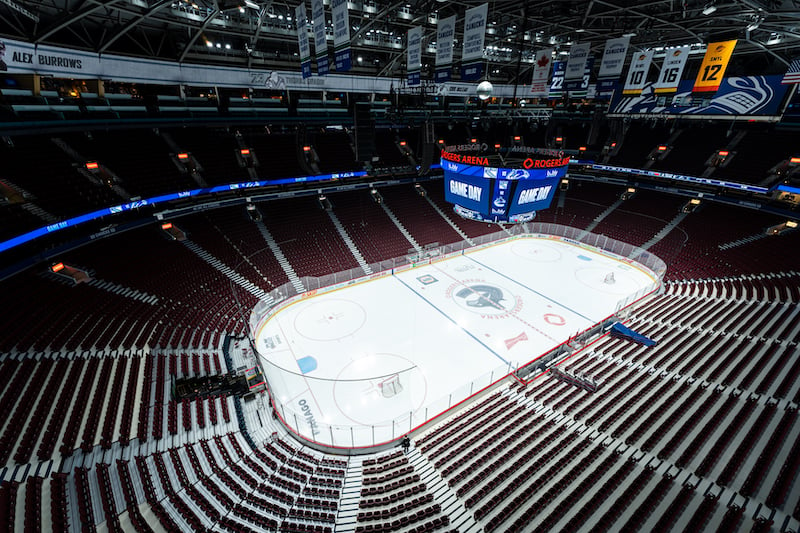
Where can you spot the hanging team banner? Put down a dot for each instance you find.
(414, 55)
(320, 37)
(341, 35)
(580, 88)
(557, 81)
(541, 71)
(576, 63)
(445, 30)
(637, 72)
(474, 35)
(671, 70)
(611, 64)
(301, 19)
(716, 60)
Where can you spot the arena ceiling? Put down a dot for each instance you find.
(260, 33)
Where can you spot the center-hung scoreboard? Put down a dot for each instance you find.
(507, 185)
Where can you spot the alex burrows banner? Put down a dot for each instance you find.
(576, 64)
(672, 69)
(713, 67)
(474, 36)
(637, 72)
(341, 35)
(301, 19)
(22, 57)
(445, 31)
(737, 96)
(541, 72)
(414, 55)
(320, 36)
(612, 63)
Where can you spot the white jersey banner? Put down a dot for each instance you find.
(671, 70)
(637, 72)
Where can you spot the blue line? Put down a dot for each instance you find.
(533, 291)
(450, 319)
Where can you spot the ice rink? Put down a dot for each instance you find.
(365, 363)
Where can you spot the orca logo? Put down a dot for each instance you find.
(499, 202)
(482, 296)
(517, 174)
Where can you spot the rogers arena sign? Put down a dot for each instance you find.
(480, 191)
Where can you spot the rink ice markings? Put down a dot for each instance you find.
(448, 317)
(515, 316)
(305, 379)
(559, 304)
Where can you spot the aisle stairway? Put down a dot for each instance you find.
(294, 279)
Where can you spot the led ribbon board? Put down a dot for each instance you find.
(480, 189)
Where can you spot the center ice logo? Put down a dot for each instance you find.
(485, 299)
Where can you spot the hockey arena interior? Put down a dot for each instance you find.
(462, 267)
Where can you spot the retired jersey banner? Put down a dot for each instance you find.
(541, 71)
(474, 36)
(576, 63)
(557, 81)
(301, 19)
(612, 63)
(320, 37)
(341, 35)
(445, 31)
(414, 55)
(716, 60)
(637, 72)
(671, 70)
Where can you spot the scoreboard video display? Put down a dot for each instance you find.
(481, 191)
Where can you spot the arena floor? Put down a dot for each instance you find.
(362, 364)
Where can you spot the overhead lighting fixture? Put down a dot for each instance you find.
(251, 4)
(710, 8)
(754, 25)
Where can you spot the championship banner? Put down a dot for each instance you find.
(414, 55)
(716, 60)
(612, 62)
(671, 70)
(445, 30)
(637, 72)
(301, 19)
(576, 64)
(474, 35)
(341, 35)
(541, 71)
(320, 38)
(557, 81)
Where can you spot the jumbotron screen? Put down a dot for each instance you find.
(502, 184)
